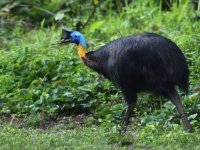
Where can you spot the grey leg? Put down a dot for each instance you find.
(175, 99)
(128, 114)
(131, 100)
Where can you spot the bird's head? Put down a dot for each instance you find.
(73, 37)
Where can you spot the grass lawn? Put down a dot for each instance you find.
(61, 137)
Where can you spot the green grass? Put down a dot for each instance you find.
(173, 139)
(60, 137)
(27, 139)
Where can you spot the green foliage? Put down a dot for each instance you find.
(41, 77)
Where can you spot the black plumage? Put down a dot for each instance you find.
(141, 62)
(146, 62)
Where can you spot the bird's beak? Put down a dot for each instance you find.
(65, 36)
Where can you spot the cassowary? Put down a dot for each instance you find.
(147, 62)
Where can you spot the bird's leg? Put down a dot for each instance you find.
(175, 99)
(131, 100)
(127, 114)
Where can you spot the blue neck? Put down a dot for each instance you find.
(83, 42)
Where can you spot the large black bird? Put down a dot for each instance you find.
(147, 62)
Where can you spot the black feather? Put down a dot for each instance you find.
(145, 62)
